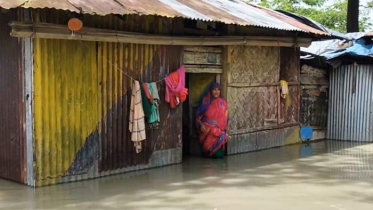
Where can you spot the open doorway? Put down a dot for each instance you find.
(203, 66)
(197, 85)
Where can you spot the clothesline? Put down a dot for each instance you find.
(145, 101)
(124, 73)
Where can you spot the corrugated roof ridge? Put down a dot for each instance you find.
(21, 5)
(78, 8)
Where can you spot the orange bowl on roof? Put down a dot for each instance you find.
(75, 24)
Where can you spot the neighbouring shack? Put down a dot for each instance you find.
(66, 95)
(314, 98)
(348, 63)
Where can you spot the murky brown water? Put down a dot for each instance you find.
(323, 175)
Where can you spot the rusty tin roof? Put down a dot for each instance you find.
(226, 11)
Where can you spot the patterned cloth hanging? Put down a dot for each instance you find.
(137, 117)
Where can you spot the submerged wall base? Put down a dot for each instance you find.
(158, 159)
(263, 140)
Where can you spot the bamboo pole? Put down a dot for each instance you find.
(54, 31)
(246, 85)
(253, 130)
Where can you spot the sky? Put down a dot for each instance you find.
(369, 13)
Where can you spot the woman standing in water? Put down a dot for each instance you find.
(212, 122)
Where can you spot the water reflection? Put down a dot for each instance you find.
(306, 150)
(198, 183)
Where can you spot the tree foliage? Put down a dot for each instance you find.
(330, 13)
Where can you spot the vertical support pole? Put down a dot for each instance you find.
(226, 68)
(29, 112)
(278, 105)
(29, 69)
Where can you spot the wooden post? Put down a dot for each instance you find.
(226, 69)
(278, 105)
(54, 31)
(353, 16)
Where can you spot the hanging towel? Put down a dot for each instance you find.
(137, 120)
(154, 118)
(146, 103)
(285, 92)
(284, 88)
(175, 87)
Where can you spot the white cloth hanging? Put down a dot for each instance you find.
(137, 117)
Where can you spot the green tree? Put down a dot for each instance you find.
(332, 14)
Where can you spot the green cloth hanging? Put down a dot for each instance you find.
(154, 113)
(146, 104)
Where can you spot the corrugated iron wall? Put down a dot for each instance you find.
(81, 106)
(82, 100)
(12, 109)
(151, 63)
(351, 103)
(65, 105)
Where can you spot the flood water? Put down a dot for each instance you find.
(322, 175)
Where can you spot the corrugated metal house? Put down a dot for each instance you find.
(65, 99)
(350, 66)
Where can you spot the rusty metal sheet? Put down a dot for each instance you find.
(151, 63)
(99, 7)
(12, 109)
(58, 4)
(81, 106)
(224, 11)
(8, 4)
(143, 7)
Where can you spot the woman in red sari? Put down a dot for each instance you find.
(212, 122)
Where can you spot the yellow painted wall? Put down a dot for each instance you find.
(75, 84)
(197, 84)
(66, 99)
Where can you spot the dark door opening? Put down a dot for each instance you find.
(197, 83)
(186, 122)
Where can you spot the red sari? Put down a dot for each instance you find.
(215, 120)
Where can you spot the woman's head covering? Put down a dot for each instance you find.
(215, 85)
(206, 100)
